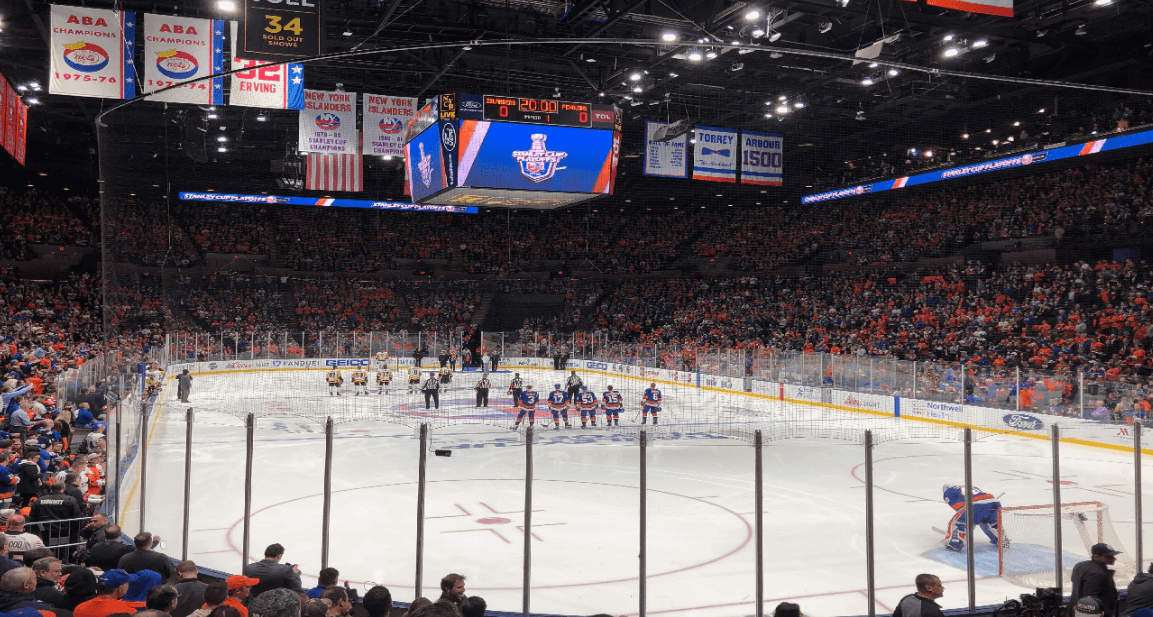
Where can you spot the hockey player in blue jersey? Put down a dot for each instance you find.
(612, 404)
(985, 508)
(528, 401)
(651, 402)
(587, 401)
(558, 405)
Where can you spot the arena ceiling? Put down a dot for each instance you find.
(1082, 41)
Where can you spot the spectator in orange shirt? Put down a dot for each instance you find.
(110, 588)
(239, 588)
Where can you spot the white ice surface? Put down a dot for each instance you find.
(585, 504)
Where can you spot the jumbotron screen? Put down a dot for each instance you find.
(537, 161)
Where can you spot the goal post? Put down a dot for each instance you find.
(1026, 551)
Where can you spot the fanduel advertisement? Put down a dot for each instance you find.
(533, 158)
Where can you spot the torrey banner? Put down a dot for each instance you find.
(384, 120)
(328, 123)
(91, 53)
(715, 155)
(270, 86)
(179, 49)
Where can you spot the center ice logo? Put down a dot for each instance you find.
(328, 122)
(176, 64)
(390, 128)
(85, 57)
(538, 163)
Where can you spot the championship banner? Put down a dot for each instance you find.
(271, 86)
(179, 49)
(5, 93)
(384, 120)
(21, 140)
(12, 104)
(328, 123)
(668, 159)
(761, 158)
(91, 53)
(715, 155)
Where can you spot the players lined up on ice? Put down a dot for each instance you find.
(360, 380)
(559, 401)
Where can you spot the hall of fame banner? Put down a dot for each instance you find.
(328, 123)
(668, 159)
(761, 155)
(384, 121)
(715, 155)
(91, 53)
(180, 49)
(269, 86)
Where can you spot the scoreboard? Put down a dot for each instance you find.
(500, 151)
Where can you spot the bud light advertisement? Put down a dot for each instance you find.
(532, 157)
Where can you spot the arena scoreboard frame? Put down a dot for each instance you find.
(512, 152)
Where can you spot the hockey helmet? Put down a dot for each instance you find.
(556, 385)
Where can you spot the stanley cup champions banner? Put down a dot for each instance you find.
(179, 49)
(91, 53)
(715, 156)
(384, 120)
(328, 123)
(761, 158)
(668, 159)
(271, 86)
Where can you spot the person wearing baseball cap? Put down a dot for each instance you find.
(110, 588)
(239, 588)
(1093, 578)
(1087, 607)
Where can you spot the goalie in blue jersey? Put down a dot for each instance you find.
(985, 508)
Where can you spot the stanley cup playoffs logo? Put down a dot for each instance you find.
(539, 164)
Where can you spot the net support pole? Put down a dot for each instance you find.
(250, 429)
(420, 493)
(326, 515)
(914, 379)
(1137, 518)
(870, 373)
(962, 393)
(526, 591)
(143, 464)
(187, 484)
(1057, 548)
(1017, 388)
(1081, 391)
(759, 521)
(643, 578)
(970, 564)
(117, 469)
(870, 548)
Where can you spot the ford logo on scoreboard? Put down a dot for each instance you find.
(1022, 421)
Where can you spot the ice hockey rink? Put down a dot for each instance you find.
(585, 523)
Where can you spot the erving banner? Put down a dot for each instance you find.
(761, 157)
(271, 86)
(328, 123)
(179, 49)
(91, 53)
(384, 120)
(668, 159)
(715, 155)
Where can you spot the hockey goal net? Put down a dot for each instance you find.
(1027, 549)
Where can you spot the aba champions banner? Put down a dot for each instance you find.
(91, 53)
(178, 49)
(761, 158)
(715, 155)
(271, 86)
(668, 159)
(328, 123)
(384, 120)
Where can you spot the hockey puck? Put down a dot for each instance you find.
(442, 452)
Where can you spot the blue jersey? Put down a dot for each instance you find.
(652, 397)
(557, 399)
(955, 497)
(612, 399)
(529, 399)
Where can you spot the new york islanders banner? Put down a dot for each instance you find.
(91, 53)
(715, 155)
(761, 158)
(179, 49)
(668, 159)
(384, 120)
(328, 123)
(270, 86)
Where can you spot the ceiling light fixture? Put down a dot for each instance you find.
(711, 54)
(873, 65)
(782, 110)
(948, 37)
(952, 52)
(635, 76)
(752, 14)
(226, 5)
(964, 135)
(669, 36)
(798, 104)
(695, 55)
(893, 72)
(260, 117)
(867, 81)
(758, 32)
(1081, 31)
(637, 89)
(979, 43)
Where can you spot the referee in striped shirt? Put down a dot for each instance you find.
(482, 387)
(573, 385)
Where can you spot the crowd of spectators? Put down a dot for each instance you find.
(31, 217)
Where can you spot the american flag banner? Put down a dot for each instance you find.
(334, 172)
